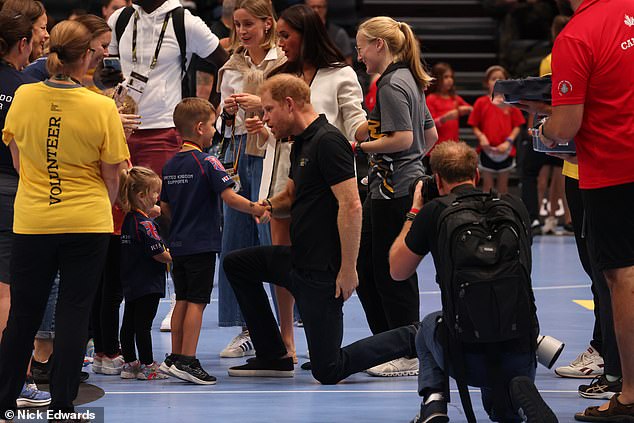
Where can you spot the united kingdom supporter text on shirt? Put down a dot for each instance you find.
(52, 145)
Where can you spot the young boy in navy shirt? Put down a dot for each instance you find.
(194, 186)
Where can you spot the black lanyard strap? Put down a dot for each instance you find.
(158, 44)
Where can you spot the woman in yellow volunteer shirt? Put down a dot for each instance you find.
(68, 145)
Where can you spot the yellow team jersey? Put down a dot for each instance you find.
(570, 169)
(63, 133)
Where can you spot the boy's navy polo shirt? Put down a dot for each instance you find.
(141, 275)
(192, 184)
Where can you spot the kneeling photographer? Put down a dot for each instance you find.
(485, 336)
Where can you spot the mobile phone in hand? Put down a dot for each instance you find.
(112, 62)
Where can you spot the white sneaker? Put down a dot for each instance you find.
(399, 367)
(166, 324)
(97, 363)
(112, 366)
(545, 208)
(560, 208)
(587, 365)
(239, 346)
(550, 224)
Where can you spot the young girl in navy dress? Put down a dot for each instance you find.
(143, 260)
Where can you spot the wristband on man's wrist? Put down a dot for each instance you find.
(510, 140)
(411, 215)
(356, 147)
(270, 205)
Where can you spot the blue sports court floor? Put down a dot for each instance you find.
(558, 281)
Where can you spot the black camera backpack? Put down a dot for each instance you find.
(484, 277)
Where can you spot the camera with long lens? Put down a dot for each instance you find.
(429, 189)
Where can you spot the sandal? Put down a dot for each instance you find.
(616, 412)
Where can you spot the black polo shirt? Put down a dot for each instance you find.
(320, 158)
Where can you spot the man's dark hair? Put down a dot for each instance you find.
(454, 161)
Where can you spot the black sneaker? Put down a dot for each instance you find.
(167, 363)
(432, 411)
(307, 366)
(191, 371)
(83, 376)
(282, 367)
(528, 403)
(40, 372)
(601, 388)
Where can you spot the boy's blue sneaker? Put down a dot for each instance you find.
(33, 397)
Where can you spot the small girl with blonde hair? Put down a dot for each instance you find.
(143, 259)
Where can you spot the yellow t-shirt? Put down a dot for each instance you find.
(63, 133)
(570, 169)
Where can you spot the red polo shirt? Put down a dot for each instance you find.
(593, 65)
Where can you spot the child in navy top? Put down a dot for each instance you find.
(194, 186)
(143, 259)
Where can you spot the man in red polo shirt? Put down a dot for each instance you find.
(593, 102)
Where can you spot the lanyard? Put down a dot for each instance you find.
(192, 145)
(236, 154)
(158, 44)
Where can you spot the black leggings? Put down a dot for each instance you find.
(34, 262)
(388, 304)
(105, 309)
(137, 325)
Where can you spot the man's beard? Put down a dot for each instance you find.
(565, 8)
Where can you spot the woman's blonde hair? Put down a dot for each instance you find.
(133, 181)
(260, 9)
(400, 41)
(69, 42)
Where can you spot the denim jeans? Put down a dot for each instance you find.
(431, 377)
(322, 315)
(47, 327)
(239, 230)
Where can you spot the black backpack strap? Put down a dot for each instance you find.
(178, 21)
(122, 22)
(455, 355)
(498, 385)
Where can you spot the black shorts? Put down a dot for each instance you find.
(610, 225)
(6, 234)
(194, 277)
(553, 161)
(489, 165)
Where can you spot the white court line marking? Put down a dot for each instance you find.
(348, 391)
(535, 288)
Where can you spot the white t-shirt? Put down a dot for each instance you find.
(163, 90)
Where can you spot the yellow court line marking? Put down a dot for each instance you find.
(589, 304)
